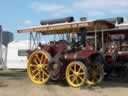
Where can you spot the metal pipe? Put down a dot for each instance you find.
(55, 21)
(83, 35)
(1, 45)
(102, 36)
(30, 41)
(95, 39)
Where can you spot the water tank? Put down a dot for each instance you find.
(58, 20)
(7, 37)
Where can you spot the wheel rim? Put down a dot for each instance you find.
(37, 67)
(95, 75)
(76, 74)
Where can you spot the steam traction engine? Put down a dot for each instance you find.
(116, 53)
(113, 44)
(71, 57)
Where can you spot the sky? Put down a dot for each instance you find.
(17, 14)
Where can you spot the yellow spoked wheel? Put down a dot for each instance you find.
(37, 67)
(96, 74)
(76, 74)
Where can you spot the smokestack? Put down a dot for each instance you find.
(83, 36)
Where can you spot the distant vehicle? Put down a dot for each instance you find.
(113, 44)
(71, 57)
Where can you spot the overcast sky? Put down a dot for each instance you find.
(24, 13)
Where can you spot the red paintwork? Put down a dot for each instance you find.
(54, 48)
(60, 47)
(85, 53)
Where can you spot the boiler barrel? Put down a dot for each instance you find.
(55, 21)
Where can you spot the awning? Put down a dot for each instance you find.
(68, 27)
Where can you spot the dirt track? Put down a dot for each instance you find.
(18, 84)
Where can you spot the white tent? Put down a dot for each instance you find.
(17, 55)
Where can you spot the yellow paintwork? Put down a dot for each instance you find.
(76, 74)
(94, 75)
(37, 68)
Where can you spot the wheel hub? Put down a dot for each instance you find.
(40, 66)
(76, 74)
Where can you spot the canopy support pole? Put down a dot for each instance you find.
(102, 36)
(95, 39)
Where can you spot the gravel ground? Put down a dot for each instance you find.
(16, 83)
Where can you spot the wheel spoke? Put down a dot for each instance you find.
(35, 60)
(43, 76)
(33, 71)
(40, 76)
(82, 73)
(45, 66)
(77, 81)
(72, 70)
(81, 78)
(41, 59)
(32, 65)
(74, 79)
(79, 69)
(75, 67)
(45, 73)
(44, 61)
(71, 75)
(37, 57)
(36, 74)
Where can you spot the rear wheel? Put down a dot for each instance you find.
(37, 67)
(76, 74)
(96, 74)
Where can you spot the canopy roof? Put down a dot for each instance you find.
(68, 27)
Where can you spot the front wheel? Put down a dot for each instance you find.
(37, 67)
(96, 74)
(76, 74)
